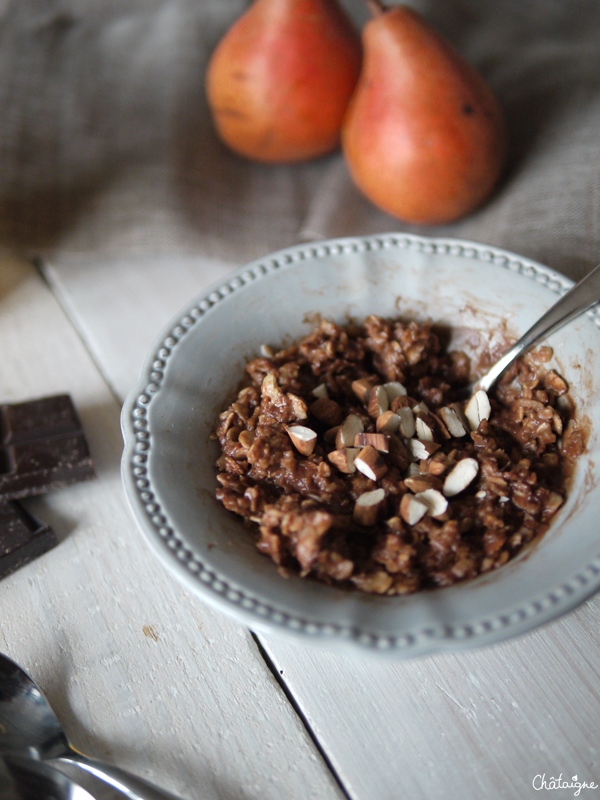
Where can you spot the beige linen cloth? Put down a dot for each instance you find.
(107, 149)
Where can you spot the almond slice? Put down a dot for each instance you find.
(346, 434)
(407, 422)
(420, 483)
(362, 387)
(455, 421)
(370, 463)
(320, 391)
(344, 459)
(394, 389)
(412, 509)
(424, 427)
(420, 449)
(378, 402)
(327, 411)
(379, 441)
(304, 439)
(420, 408)
(367, 507)
(388, 422)
(461, 475)
(435, 501)
(478, 408)
(438, 464)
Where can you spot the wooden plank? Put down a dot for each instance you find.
(467, 725)
(482, 723)
(141, 673)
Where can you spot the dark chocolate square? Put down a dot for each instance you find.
(42, 447)
(38, 419)
(22, 537)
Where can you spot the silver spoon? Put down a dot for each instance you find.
(29, 727)
(578, 299)
(24, 778)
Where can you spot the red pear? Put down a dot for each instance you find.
(279, 82)
(423, 137)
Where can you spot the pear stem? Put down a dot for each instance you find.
(376, 7)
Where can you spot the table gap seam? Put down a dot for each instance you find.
(293, 702)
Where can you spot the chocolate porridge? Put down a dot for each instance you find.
(352, 461)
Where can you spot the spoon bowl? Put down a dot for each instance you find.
(23, 778)
(29, 728)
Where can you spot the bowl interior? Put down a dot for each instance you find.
(466, 287)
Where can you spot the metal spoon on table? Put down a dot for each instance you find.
(578, 299)
(29, 727)
(23, 778)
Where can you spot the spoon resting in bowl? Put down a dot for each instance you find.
(577, 300)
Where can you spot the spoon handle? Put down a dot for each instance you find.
(130, 785)
(578, 299)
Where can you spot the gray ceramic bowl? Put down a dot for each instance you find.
(196, 364)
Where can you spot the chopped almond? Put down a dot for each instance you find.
(407, 422)
(455, 421)
(412, 509)
(368, 506)
(461, 476)
(347, 431)
(421, 449)
(344, 458)
(379, 441)
(420, 408)
(420, 483)
(435, 501)
(304, 439)
(370, 463)
(362, 387)
(320, 391)
(425, 427)
(388, 422)
(394, 389)
(478, 408)
(437, 464)
(378, 402)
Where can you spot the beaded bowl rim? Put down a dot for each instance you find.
(253, 611)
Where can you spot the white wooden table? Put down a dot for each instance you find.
(130, 210)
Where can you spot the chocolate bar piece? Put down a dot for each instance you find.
(22, 537)
(42, 447)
